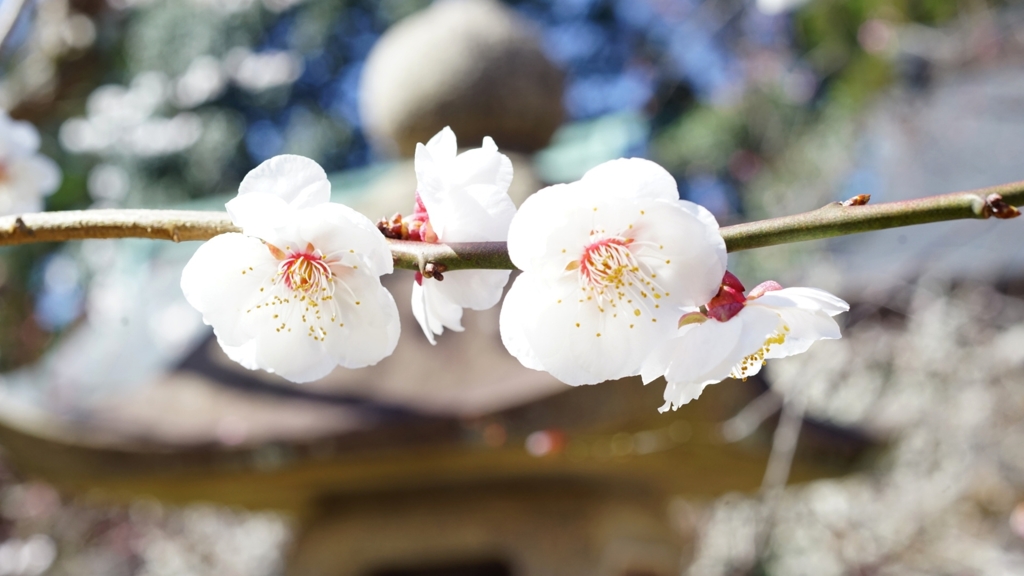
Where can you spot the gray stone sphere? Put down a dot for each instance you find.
(474, 65)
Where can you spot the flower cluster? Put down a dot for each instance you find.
(620, 277)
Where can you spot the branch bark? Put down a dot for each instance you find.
(836, 219)
(173, 225)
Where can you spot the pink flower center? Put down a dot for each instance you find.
(607, 263)
(301, 293)
(610, 273)
(304, 271)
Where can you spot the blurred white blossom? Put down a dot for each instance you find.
(26, 176)
(124, 120)
(204, 80)
(258, 71)
(28, 557)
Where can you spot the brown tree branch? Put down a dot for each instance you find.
(173, 225)
(836, 219)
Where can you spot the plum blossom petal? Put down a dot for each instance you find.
(297, 180)
(355, 343)
(554, 210)
(609, 264)
(465, 196)
(460, 198)
(519, 300)
(805, 328)
(738, 335)
(434, 312)
(440, 304)
(632, 178)
(598, 347)
(225, 307)
(260, 215)
(277, 187)
(26, 176)
(347, 235)
(443, 147)
(368, 335)
(811, 299)
(297, 293)
(699, 355)
(473, 289)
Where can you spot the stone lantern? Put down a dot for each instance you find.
(473, 65)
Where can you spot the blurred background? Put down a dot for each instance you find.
(130, 445)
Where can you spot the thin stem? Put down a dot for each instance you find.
(836, 219)
(452, 256)
(840, 219)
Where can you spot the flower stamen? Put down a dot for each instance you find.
(307, 272)
(307, 278)
(611, 274)
(753, 362)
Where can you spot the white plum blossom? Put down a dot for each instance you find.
(459, 198)
(26, 176)
(298, 292)
(609, 264)
(737, 334)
